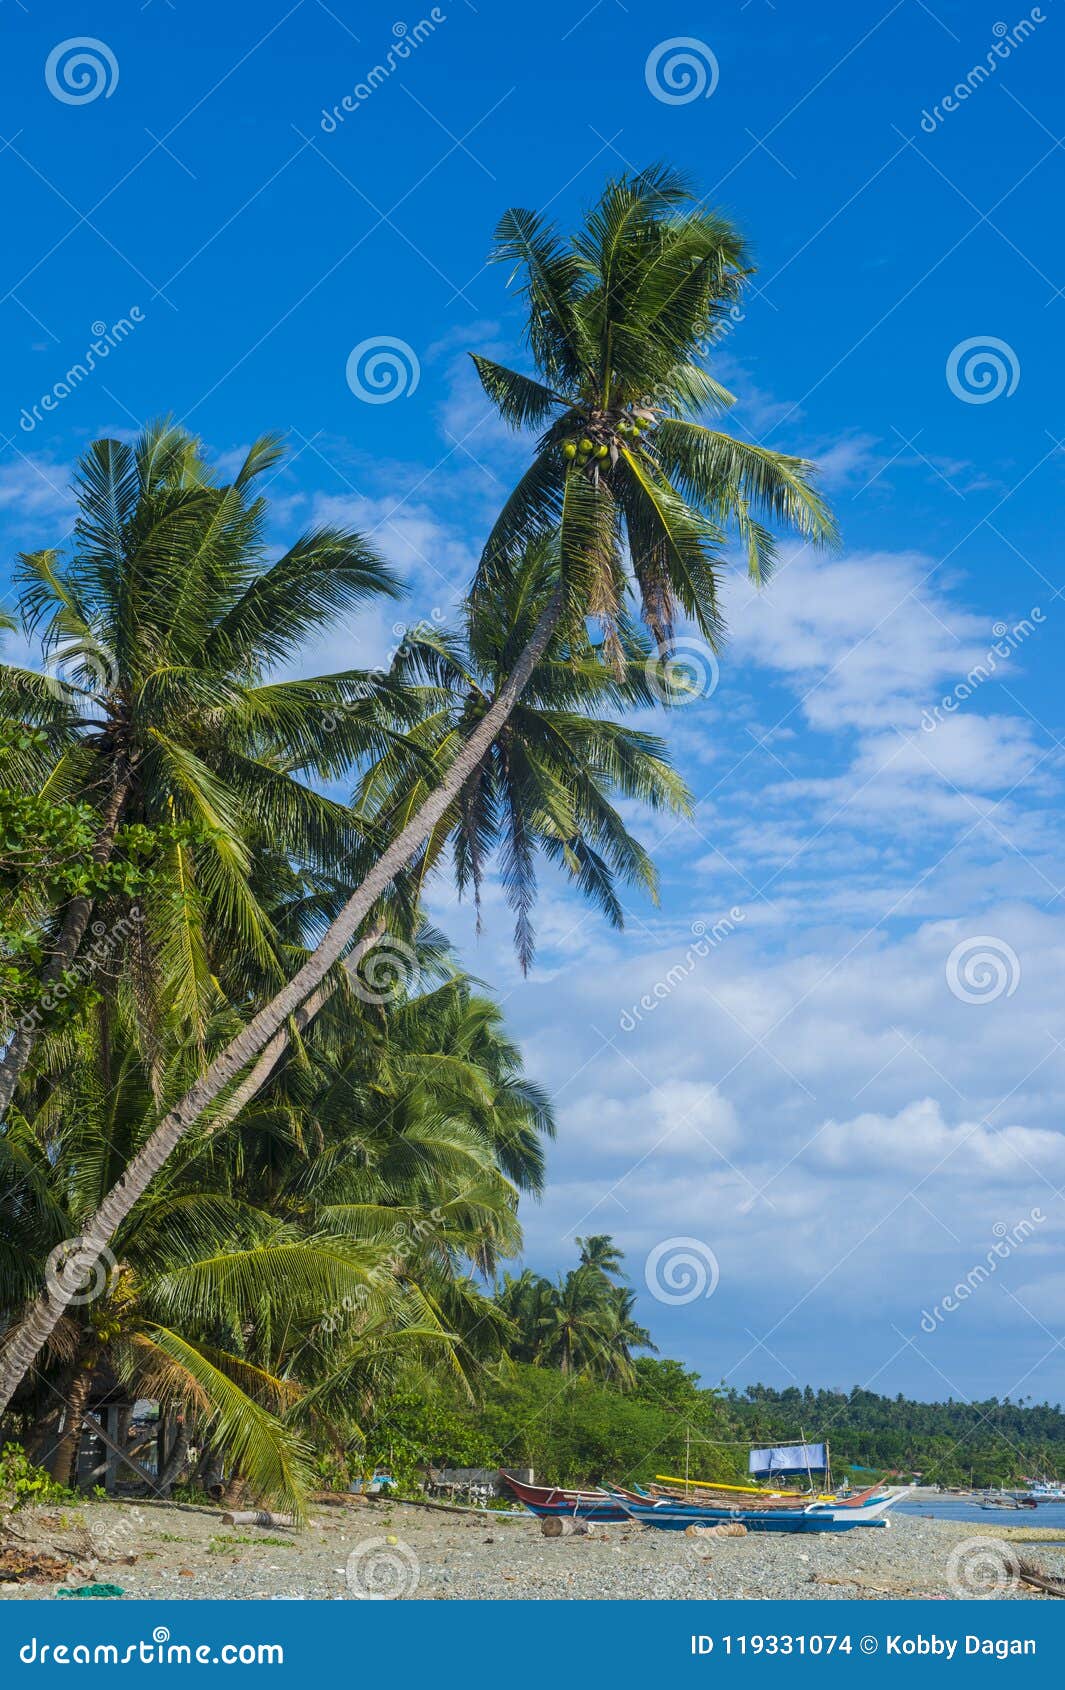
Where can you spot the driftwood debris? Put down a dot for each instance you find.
(28, 1565)
(889, 1589)
(724, 1528)
(563, 1525)
(256, 1517)
(1040, 1581)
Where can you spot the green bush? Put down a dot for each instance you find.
(21, 1482)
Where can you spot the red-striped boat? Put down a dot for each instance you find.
(581, 1504)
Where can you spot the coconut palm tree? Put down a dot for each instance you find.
(619, 319)
(284, 1269)
(527, 1302)
(624, 1334)
(600, 1251)
(159, 705)
(582, 1324)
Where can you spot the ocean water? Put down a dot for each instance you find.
(952, 1508)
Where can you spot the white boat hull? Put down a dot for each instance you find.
(864, 1512)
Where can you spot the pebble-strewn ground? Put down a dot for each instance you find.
(417, 1552)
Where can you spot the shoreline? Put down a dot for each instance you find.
(350, 1549)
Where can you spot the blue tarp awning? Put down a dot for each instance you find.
(789, 1458)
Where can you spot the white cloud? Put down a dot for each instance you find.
(688, 1118)
(920, 1142)
(35, 486)
(865, 640)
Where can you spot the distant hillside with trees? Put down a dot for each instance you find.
(573, 1401)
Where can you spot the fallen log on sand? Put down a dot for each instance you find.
(563, 1525)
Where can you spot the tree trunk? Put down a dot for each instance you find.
(33, 1332)
(261, 1069)
(170, 1472)
(72, 932)
(235, 1491)
(63, 1463)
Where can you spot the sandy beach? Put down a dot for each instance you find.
(348, 1551)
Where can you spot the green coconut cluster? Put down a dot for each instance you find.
(605, 435)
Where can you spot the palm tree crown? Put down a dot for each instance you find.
(619, 320)
(158, 703)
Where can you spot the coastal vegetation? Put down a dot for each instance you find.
(263, 1138)
(572, 1402)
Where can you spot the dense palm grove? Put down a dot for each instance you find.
(263, 1140)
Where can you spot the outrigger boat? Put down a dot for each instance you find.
(773, 1513)
(677, 1517)
(863, 1508)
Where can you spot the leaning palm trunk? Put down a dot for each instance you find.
(34, 1330)
(72, 932)
(63, 1465)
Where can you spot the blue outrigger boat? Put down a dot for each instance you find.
(678, 1516)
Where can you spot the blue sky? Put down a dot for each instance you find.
(815, 1101)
